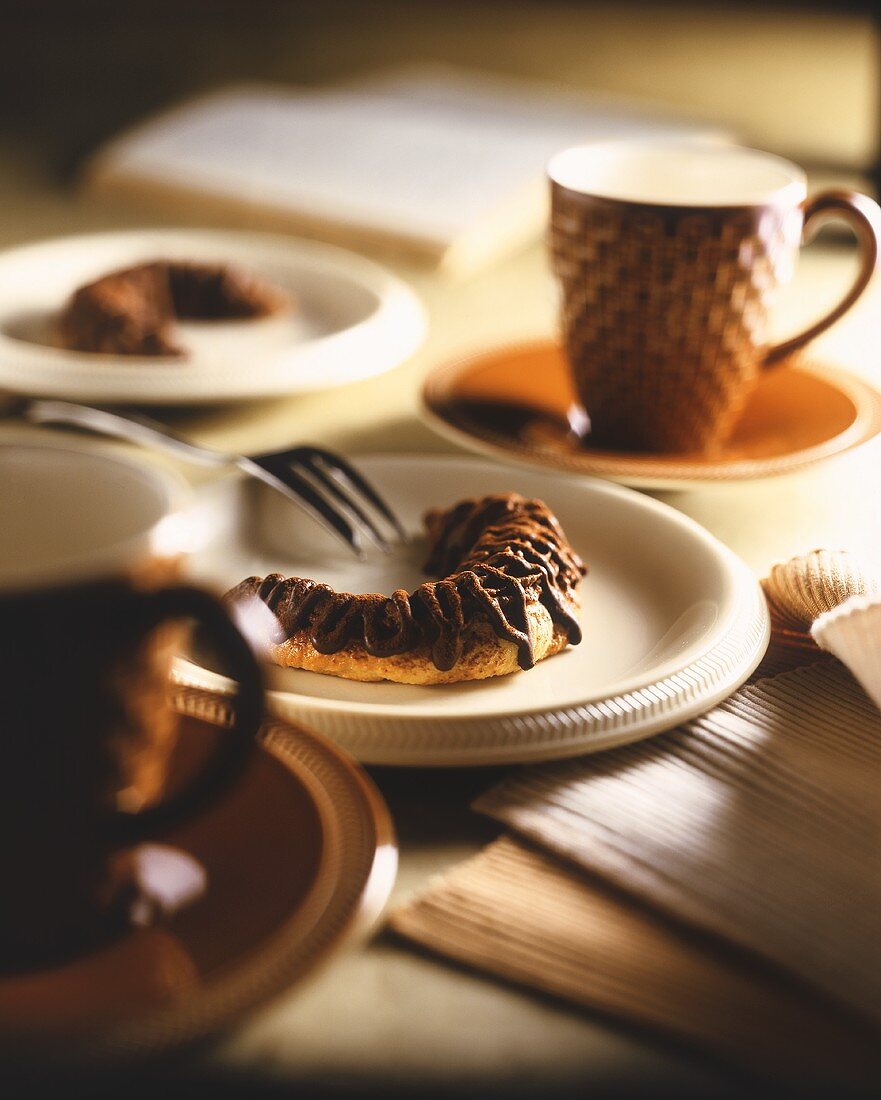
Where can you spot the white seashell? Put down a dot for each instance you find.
(852, 633)
(802, 589)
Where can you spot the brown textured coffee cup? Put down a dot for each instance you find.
(91, 607)
(669, 258)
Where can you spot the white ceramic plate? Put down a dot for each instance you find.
(673, 621)
(354, 319)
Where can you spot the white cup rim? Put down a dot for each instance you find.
(164, 534)
(791, 192)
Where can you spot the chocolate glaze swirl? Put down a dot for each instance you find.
(496, 556)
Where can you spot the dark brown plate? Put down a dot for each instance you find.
(297, 860)
(517, 402)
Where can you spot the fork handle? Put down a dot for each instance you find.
(132, 427)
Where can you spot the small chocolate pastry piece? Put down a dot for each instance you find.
(206, 292)
(132, 311)
(126, 313)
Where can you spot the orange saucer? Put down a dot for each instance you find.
(517, 403)
(299, 858)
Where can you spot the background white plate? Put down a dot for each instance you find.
(673, 621)
(353, 319)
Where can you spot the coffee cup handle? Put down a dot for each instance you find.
(864, 217)
(229, 760)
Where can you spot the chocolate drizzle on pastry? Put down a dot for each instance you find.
(496, 556)
(132, 311)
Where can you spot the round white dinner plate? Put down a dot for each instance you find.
(673, 620)
(352, 319)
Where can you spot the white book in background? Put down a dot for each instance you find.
(444, 165)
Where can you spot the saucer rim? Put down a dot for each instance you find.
(279, 963)
(671, 472)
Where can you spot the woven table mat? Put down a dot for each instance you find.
(720, 882)
(522, 916)
(759, 822)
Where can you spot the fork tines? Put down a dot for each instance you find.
(335, 493)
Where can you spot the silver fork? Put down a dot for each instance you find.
(325, 485)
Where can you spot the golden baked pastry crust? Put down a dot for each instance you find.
(484, 655)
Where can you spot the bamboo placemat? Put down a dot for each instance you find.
(720, 882)
(524, 917)
(759, 822)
